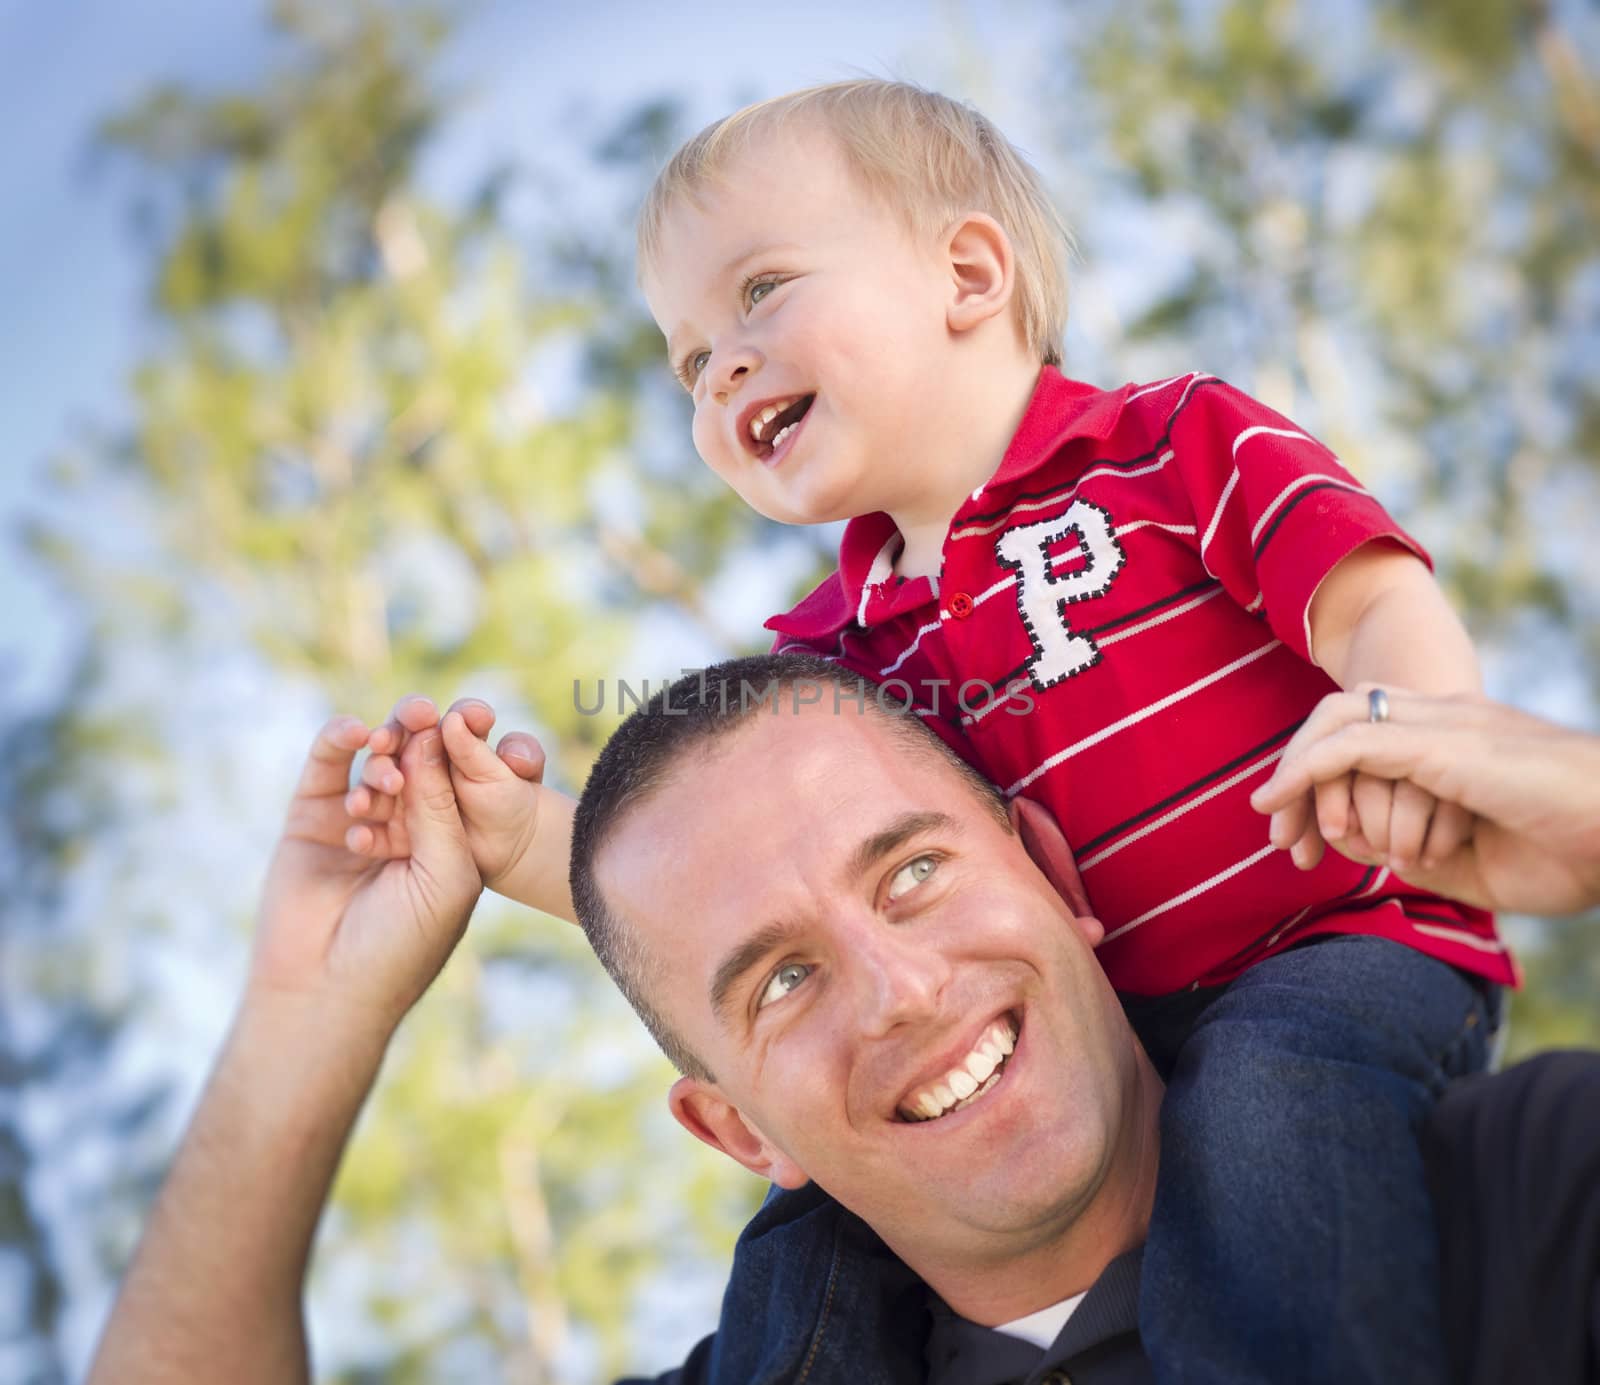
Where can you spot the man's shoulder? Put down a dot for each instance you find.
(1514, 1163)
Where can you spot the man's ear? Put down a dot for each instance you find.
(1047, 847)
(982, 271)
(708, 1115)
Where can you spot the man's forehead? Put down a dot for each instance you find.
(782, 779)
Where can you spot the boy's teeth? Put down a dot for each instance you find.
(970, 1078)
(781, 434)
(758, 424)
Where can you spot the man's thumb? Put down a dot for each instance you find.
(429, 798)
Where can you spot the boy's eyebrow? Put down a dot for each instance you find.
(770, 937)
(755, 250)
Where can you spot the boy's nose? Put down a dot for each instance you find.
(730, 369)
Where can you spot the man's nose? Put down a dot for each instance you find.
(730, 368)
(901, 975)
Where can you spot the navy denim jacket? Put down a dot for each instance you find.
(815, 1297)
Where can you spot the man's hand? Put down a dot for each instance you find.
(368, 928)
(1532, 790)
(346, 944)
(520, 831)
(1396, 823)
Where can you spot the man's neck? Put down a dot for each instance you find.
(978, 419)
(1110, 1220)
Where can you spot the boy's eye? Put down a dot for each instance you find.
(912, 874)
(690, 367)
(760, 289)
(785, 979)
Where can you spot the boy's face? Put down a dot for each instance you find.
(809, 325)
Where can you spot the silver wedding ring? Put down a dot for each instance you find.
(1377, 705)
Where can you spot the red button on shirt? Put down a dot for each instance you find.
(961, 605)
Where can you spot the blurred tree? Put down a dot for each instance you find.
(346, 462)
(1385, 214)
(1384, 219)
(63, 998)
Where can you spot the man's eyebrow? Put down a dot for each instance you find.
(896, 835)
(744, 956)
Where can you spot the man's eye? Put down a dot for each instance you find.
(912, 874)
(784, 980)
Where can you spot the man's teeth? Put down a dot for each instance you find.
(970, 1078)
(759, 424)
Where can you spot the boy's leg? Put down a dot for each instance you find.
(1293, 1238)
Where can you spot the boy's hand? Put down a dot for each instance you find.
(499, 794)
(1375, 821)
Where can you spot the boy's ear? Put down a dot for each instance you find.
(1046, 845)
(709, 1116)
(982, 271)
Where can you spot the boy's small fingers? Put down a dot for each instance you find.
(1287, 825)
(1451, 829)
(360, 839)
(468, 752)
(415, 713)
(373, 808)
(379, 773)
(1409, 818)
(1373, 800)
(478, 715)
(523, 754)
(1307, 852)
(1332, 810)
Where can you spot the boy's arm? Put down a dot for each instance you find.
(537, 876)
(1379, 617)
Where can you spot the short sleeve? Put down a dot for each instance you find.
(1274, 510)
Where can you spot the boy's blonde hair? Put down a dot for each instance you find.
(929, 158)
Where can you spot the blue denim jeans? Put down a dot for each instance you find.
(1293, 1238)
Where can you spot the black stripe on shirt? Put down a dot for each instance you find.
(1221, 772)
(1268, 934)
(1283, 514)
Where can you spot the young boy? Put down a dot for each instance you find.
(1122, 604)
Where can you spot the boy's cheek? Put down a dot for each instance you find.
(711, 448)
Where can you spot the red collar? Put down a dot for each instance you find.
(862, 588)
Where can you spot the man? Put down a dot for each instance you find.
(875, 925)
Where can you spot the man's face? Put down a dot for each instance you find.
(793, 300)
(835, 924)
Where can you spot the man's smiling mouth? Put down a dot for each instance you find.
(968, 1080)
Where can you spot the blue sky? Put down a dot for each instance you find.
(70, 273)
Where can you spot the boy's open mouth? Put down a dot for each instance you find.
(770, 425)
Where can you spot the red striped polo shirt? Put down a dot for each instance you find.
(1120, 630)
